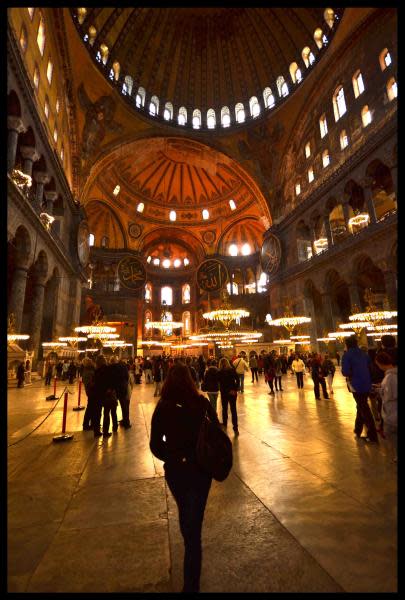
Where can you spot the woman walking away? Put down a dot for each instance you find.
(278, 365)
(298, 366)
(176, 423)
(210, 383)
(318, 377)
(229, 385)
(328, 369)
(253, 364)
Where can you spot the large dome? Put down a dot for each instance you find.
(204, 58)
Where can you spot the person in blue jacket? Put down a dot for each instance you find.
(356, 369)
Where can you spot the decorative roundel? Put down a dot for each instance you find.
(270, 254)
(212, 275)
(131, 273)
(134, 230)
(209, 237)
(83, 247)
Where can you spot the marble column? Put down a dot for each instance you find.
(17, 295)
(327, 310)
(309, 311)
(41, 178)
(355, 299)
(37, 310)
(346, 215)
(313, 238)
(328, 230)
(30, 155)
(50, 199)
(15, 127)
(390, 279)
(370, 204)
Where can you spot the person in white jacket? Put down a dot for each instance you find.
(298, 366)
(240, 366)
(389, 395)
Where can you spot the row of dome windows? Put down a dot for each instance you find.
(173, 215)
(269, 100)
(339, 108)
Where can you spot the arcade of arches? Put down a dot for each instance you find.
(175, 136)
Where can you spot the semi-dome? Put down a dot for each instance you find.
(206, 67)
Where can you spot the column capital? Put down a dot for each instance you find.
(29, 153)
(41, 177)
(50, 195)
(16, 124)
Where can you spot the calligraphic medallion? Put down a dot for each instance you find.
(212, 275)
(131, 273)
(270, 254)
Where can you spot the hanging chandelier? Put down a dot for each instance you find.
(340, 335)
(325, 339)
(226, 314)
(54, 345)
(11, 335)
(380, 328)
(289, 321)
(73, 340)
(284, 342)
(300, 337)
(166, 323)
(114, 344)
(373, 316)
(356, 326)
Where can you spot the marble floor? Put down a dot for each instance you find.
(306, 508)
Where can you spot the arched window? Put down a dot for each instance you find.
(366, 116)
(205, 214)
(46, 107)
(225, 116)
(246, 249)
(111, 74)
(41, 34)
(385, 59)
(307, 149)
(196, 121)
(31, 12)
(358, 83)
(233, 250)
(235, 290)
(329, 16)
(166, 263)
(182, 116)
(140, 207)
(186, 294)
(392, 89)
(268, 98)
(140, 97)
(116, 68)
(240, 113)
(318, 33)
(168, 111)
(105, 242)
(91, 239)
(344, 140)
(104, 53)
(339, 103)
(92, 35)
(297, 189)
(211, 120)
(154, 106)
(295, 73)
(307, 56)
(232, 204)
(166, 295)
(49, 71)
(186, 261)
(23, 38)
(310, 174)
(172, 215)
(62, 153)
(282, 87)
(254, 107)
(148, 292)
(57, 105)
(36, 77)
(148, 319)
(325, 158)
(323, 126)
(128, 83)
(186, 323)
(55, 135)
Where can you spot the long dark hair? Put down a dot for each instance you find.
(179, 386)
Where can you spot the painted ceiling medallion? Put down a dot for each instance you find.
(134, 230)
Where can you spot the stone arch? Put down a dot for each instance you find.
(13, 104)
(22, 245)
(368, 276)
(52, 287)
(338, 296)
(355, 196)
(382, 187)
(104, 220)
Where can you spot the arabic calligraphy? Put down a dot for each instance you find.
(212, 275)
(131, 273)
(271, 254)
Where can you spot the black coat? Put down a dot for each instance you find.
(211, 380)
(228, 380)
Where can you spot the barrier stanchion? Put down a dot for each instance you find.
(78, 407)
(53, 396)
(64, 436)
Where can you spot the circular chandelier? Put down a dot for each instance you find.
(114, 344)
(103, 336)
(15, 337)
(218, 336)
(326, 339)
(373, 316)
(360, 219)
(226, 315)
(54, 345)
(340, 335)
(289, 321)
(300, 337)
(356, 326)
(282, 341)
(93, 329)
(73, 340)
(166, 323)
(23, 180)
(381, 327)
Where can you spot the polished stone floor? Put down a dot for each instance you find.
(306, 508)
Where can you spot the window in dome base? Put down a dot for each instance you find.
(166, 263)
(172, 215)
(168, 112)
(140, 207)
(339, 103)
(307, 149)
(154, 106)
(232, 204)
(140, 97)
(91, 239)
(225, 116)
(177, 263)
(358, 84)
(239, 113)
(233, 250)
(116, 190)
(182, 116)
(310, 175)
(254, 107)
(205, 214)
(366, 116)
(392, 89)
(385, 59)
(41, 35)
(325, 158)
(323, 126)
(268, 98)
(196, 121)
(246, 250)
(211, 121)
(344, 140)
(297, 189)
(156, 262)
(186, 262)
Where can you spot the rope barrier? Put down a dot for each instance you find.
(43, 421)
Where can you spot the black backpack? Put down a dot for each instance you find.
(214, 450)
